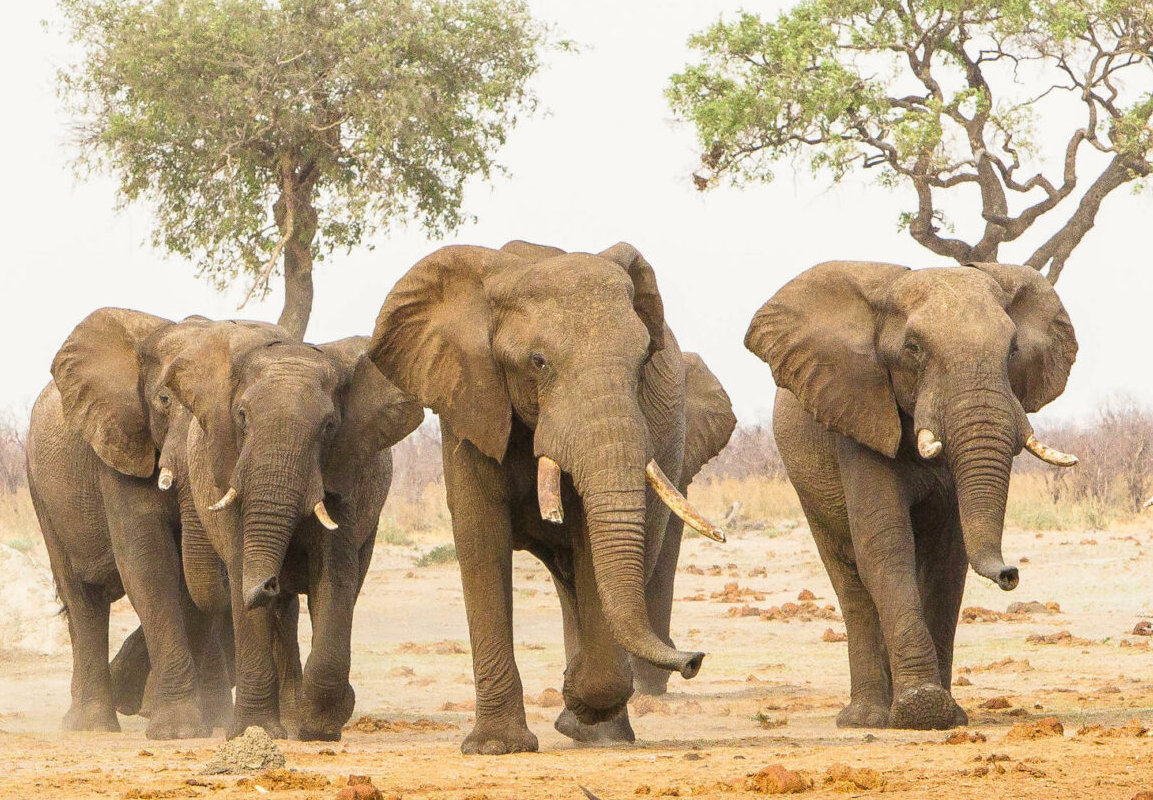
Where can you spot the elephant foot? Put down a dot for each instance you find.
(498, 739)
(323, 714)
(864, 714)
(960, 718)
(91, 717)
(617, 730)
(243, 720)
(179, 719)
(925, 707)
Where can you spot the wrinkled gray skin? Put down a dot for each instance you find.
(528, 352)
(866, 355)
(286, 425)
(93, 443)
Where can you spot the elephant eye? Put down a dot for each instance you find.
(164, 399)
(242, 418)
(538, 360)
(1013, 348)
(913, 348)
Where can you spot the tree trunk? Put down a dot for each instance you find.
(297, 257)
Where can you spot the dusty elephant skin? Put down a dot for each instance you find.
(94, 440)
(903, 399)
(556, 378)
(289, 463)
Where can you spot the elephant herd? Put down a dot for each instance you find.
(216, 471)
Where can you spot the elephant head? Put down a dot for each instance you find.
(558, 341)
(961, 352)
(110, 375)
(286, 424)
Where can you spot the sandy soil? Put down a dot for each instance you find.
(768, 693)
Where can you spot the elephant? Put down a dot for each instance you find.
(561, 393)
(902, 402)
(289, 465)
(95, 436)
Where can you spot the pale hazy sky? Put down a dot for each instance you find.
(603, 161)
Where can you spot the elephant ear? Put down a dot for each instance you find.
(646, 296)
(709, 418)
(375, 415)
(98, 376)
(433, 339)
(818, 334)
(203, 376)
(1046, 344)
(529, 251)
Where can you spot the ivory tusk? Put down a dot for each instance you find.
(928, 445)
(322, 515)
(225, 501)
(1048, 454)
(548, 490)
(1148, 503)
(165, 479)
(680, 506)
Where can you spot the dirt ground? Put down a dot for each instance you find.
(767, 695)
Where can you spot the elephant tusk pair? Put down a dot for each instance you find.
(548, 497)
(929, 446)
(165, 479)
(319, 509)
(1048, 454)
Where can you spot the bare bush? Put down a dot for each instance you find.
(751, 452)
(417, 462)
(13, 447)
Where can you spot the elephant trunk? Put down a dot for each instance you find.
(276, 496)
(982, 436)
(609, 474)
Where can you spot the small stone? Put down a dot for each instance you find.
(775, 779)
(806, 595)
(550, 698)
(962, 681)
(996, 703)
(1041, 729)
(833, 636)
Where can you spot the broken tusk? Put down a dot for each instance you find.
(548, 490)
(928, 445)
(165, 479)
(679, 505)
(1048, 454)
(225, 501)
(322, 515)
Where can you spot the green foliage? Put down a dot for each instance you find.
(441, 554)
(383, 107)
(936, 93)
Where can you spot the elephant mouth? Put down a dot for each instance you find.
(552, 510)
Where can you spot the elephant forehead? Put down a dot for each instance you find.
(947, 293)
(292, 364)
(569, 277)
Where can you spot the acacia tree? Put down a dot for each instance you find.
(265, 128)
(948, 96)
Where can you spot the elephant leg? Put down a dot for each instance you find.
(885, 552)
(328, 698)
(257, 685)
(617, 729)
(86, 608)
(129, 671)
(648, 678)
(212, 656)
(286, 651)
(482, 531)
(942, 566)
(146, 554)
(598, 681)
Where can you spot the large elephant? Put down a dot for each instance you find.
(96, 434)
(559, 388)
(902, 402)
(289, 463)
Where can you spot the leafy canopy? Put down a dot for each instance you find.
(941, 94)
(381, 109)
